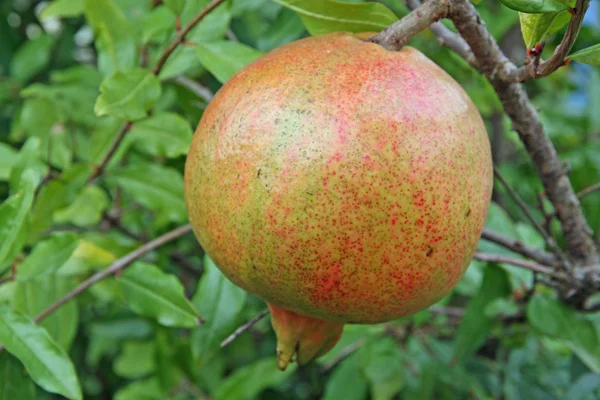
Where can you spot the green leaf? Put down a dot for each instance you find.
(13, 214)
(14, 382)
(475, 325)
(589, 55)
(247, 382)
(346, 382)
(286, 28)
(224, 58)
(137, 359)
(536, 6)
(212, 28)
(116, 39)
(583, 388)
(86, 209)
(47, 364)
(163, 134)
(8, 157)
(157, 187)
(33, 296)
(175, 5)
(538, 27)
(148, 389)
(382, 364)
(150, 292)
(220, 302)
(552, 318)
(157, 25)
(31, 58)
(62, 8)
(48, 256)
(128, 95)
(28, 160)
(326, 16)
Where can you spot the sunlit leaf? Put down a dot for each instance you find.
(333, 16)
(47, 364)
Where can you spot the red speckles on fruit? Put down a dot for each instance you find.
(341, 181)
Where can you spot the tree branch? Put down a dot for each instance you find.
(558, 58)
(179, 38)
(526, 122)
(588, 190)
(518, 247)
(244, 328)
(448, 39)
(497, 258)
(517, 199)
(398, 34)
(194, 87)
(115, 267)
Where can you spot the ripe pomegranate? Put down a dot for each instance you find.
(341, 183)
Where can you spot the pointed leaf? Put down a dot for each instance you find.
(536, 6)
(128, 95)
(347, 381)
(163, 134)
(224, 58)
(552, 318)
(86, 209)
(137, 359)
(47, 364)
(153, 293)
(13, 213)
(157, 187)
(48, 256)
(326, 16)
(475, 325)
(247, 382)
(589, 55)
(14, 382)
(115, 41)
(175, 5)
(538, 27)
(8, 156)
(220, 302)
(31, 58)
(62, 8)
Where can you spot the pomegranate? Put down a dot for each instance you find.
(341, 183)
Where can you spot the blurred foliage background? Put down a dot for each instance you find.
(72, 71)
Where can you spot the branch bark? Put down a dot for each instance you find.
(519, 247)
(398, 34)
(492, 62)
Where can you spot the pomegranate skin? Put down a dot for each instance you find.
(341, 181)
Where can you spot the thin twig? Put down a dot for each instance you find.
(116, 266)
(180, 37)
(244, 328)
(517, 199)
(345, 352)
(448, 39)
(398, 34)
(518, 247)
(588, 190)
(558, 58)
(111, 151)
(526, 122)
(497, 258)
